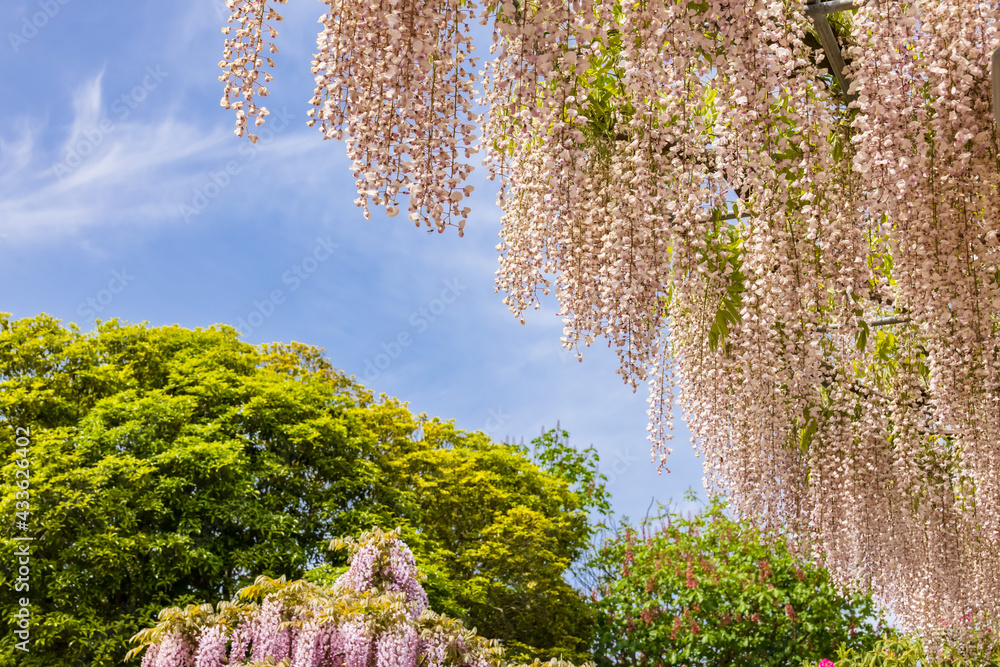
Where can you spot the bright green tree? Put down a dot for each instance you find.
(170, 466)
(495, 531)
(708, 590)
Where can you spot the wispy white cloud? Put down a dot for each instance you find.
(15, 153)
(86, 109)
(114, 167)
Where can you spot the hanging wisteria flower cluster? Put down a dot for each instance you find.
(817, 270)
(243, 59)
(394, 77)
(375, 615)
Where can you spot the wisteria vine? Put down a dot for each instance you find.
(813, 271)
(376, 615)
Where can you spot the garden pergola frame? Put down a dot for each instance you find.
(817, 11)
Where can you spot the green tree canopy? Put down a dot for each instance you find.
(171, 466)
(498, 535)
(708, 590)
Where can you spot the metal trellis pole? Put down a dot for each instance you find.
(817, 11)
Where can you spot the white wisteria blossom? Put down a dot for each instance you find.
(804, 249)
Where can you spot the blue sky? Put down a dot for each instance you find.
(124, 193)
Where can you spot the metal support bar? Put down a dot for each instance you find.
(941, 432)
(886, 321)
(996, 86)
(832, 50)
(880, 322)
(828, 7)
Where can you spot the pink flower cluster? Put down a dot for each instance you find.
(395, 78)
(174, 650)
(817, 271)
(243, 60)
(391, 570)
(360, 623)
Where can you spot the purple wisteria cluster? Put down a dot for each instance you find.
(392, 570)
(376, 615)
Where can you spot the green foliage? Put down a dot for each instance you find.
(495, 534)
(603, 82)
(905, 651)
(724, 257)
(552, 452)
(706, 590)
(169, 467)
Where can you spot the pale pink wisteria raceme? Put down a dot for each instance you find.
(395, 79)
(375, 616)
(243, 59)
(878, 445)
(212, 648)
(399, 647)
(815, 273)
(268, 637)
(389, 569)
(357, 643)
(174, 649)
